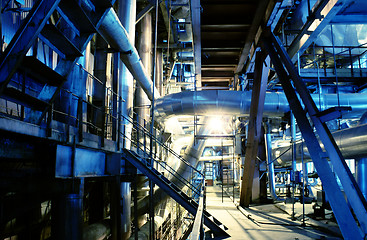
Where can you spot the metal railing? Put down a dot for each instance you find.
(140, 140)
(352, 58)
(78, 110)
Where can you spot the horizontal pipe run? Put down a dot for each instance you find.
(212, 102)
(352, 143)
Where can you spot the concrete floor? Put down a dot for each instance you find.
(269, 221)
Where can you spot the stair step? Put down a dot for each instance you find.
(59, 42)
(181, 198)
(76, 17)
(26, 100)
(40, 72)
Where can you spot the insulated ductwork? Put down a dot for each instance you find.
(115, 34)
(212, 102)
(352, 143)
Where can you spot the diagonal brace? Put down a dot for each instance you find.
(351, 188)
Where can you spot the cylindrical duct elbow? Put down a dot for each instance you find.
(115, 34)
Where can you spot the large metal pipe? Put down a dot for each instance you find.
(127, 16)
(212, 102)
(144, 45)
(116, 35)
(97, 231)
(352, 143)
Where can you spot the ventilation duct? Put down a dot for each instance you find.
(115, 34)
(352, 143)
(212, 102)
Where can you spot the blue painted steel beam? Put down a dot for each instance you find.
(24, 38)
(84, 162)
(343, 214)
(351, 188)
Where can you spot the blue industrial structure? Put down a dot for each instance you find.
(115, 115)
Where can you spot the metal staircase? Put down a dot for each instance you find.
(174, 192)
(66, 27)
(177, 187)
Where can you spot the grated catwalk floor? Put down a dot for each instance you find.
(269, 221)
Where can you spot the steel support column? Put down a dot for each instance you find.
(256, 113)
(348, 225)
(195, 8)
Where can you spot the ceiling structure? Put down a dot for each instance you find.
(228, 29)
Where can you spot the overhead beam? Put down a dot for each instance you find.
(262, 64)
(263, 13)
(321, 16)
(144, 12)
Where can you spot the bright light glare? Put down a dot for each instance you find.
(216, 123)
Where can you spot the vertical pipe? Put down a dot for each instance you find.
(126, 209)
(361, 175)
(100, 70)
(270, 163)
(116, 120)
(294, 158)
(159, 74)
(127, 16)
(151, 184)
(144, 48)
